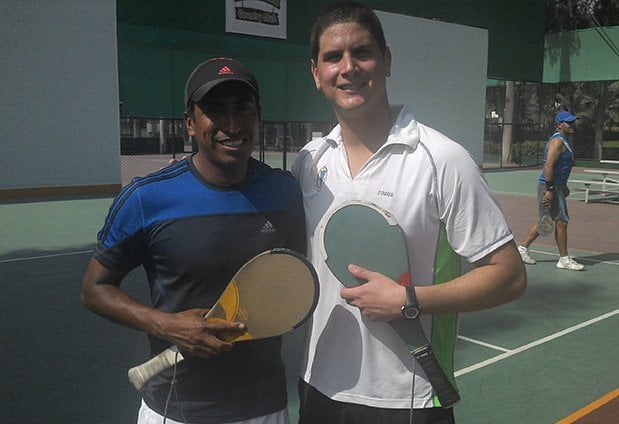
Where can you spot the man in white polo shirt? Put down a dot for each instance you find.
(357, 370)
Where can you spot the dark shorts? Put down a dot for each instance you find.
(558, 206)
(318, 408)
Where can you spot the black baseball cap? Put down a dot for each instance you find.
(213, 72)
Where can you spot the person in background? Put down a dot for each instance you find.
(357, 369)
(552, 191)
(192, 225)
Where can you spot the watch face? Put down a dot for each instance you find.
(410, 312)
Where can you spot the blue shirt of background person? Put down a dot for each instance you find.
(563, 166)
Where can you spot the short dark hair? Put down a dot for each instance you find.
(345, 12)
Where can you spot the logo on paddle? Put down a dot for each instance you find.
(242, 314)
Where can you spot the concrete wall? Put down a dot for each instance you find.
(439, 69)
(58, 94)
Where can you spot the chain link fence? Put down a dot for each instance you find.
(148, 144)
(520, 118)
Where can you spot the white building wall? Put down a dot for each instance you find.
(58, 93)
(440, 69)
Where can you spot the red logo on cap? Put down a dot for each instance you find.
(225, 71)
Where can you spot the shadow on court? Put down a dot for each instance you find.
(64, 364)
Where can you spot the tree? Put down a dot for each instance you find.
(569, 15)
(595, 102)
(508, 121)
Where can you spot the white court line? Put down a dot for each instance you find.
(81, 252)
(488, 345)
(513, 193)
(531, 345)
(541, 252)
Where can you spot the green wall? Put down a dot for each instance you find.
(154, 64)
(581, 56)
(515, 29)
(160, 42)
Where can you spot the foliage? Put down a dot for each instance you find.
(596, 103)
(583, 98)
(528, 152)
(536, 105)
(568, 15)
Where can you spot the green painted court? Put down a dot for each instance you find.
(536, 360)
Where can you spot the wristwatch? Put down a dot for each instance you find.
(411, 309)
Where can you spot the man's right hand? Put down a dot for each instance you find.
(547, 199)
(190, 332)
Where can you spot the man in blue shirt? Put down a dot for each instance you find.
(552, 190)
(192, 225)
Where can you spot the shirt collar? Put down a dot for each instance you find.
(405, 130)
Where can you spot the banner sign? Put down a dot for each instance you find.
(264, 18)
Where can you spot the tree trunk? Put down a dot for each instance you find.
(162, 134)
(598, 118)
(508, 119)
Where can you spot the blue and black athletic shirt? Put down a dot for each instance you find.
(563, 166)
(191, 238)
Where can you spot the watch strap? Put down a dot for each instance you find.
(411, 304)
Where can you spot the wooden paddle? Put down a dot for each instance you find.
(273, 293)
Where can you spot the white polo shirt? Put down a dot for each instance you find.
(446, 210)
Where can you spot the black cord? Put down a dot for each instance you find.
(410, 420)
(173, 389)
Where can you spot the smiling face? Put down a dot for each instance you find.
(225, 124)
(351, 70)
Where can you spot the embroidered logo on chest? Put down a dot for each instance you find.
(321, 178)
(384, 193)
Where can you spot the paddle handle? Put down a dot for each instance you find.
(445, 391)
(139, 375)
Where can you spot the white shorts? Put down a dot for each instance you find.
(148, 416)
